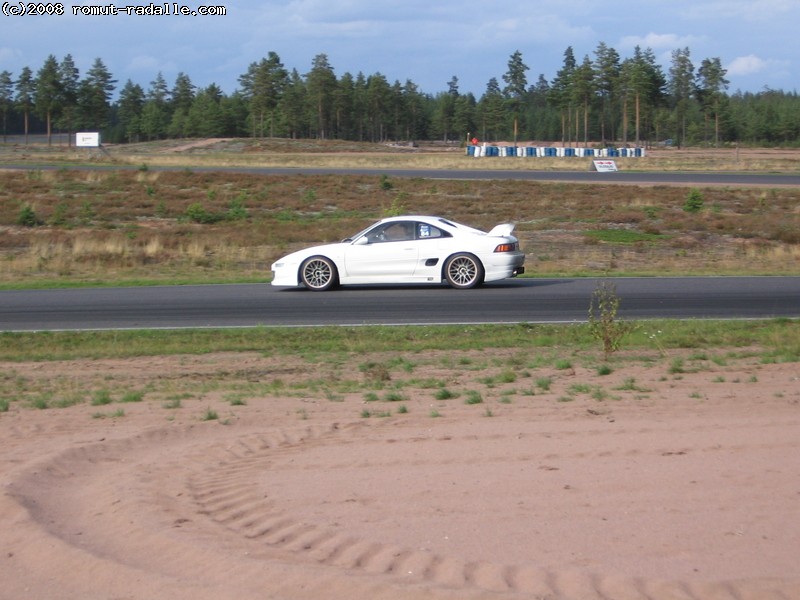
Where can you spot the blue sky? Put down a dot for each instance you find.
(427, 41)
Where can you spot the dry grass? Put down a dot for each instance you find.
(109, 225)
(428, 155)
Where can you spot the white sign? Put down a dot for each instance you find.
(604, 166)
(87, 139)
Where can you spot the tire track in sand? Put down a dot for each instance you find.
(222, 493)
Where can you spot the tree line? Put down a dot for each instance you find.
(601, 99)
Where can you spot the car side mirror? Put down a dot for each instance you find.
(362, 241)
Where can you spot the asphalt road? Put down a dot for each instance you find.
(618, 177)
(511, 301)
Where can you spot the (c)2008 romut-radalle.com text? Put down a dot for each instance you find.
(21, 9)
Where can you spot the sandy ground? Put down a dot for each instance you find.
(668, 487)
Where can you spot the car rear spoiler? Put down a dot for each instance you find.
(502, 229)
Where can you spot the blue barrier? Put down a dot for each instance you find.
(552, 151)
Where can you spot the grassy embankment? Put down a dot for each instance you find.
(490, 365)
(142, 225)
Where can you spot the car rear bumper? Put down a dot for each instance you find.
(503, 265)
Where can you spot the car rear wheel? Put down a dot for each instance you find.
(463, 271)
(318, 274)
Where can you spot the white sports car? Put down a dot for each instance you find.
(409, 249)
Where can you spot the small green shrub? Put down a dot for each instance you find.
(197, 213)
(473, 397)
(603, 322)
(59, 217)
(101, 398)
(677, 366)
(445, 394)
(237, 210)
(27, 217)
(41, 402)
(694, 201)
(161, 210)
(136, 396)
(580, 388)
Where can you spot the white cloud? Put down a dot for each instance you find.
(743, 10)
(9, 55)
(746, 65)
(658, 41)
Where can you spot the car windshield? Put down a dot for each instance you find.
(353, 238)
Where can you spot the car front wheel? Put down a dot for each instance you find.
(318, 274)
(463, 271)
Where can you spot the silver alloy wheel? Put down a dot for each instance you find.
(463, 271)
(318, 273)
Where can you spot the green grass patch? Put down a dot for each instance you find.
(473, 397)
(445, 394)
(778, 340)
(621, 236)
(210, 415)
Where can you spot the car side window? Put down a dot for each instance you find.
(426, 231)
(400, 231)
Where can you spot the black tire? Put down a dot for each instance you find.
(319, 274)
(463, 271)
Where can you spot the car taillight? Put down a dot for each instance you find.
(506, 248)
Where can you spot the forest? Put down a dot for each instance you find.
(603, 99)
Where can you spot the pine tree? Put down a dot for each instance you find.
(516, 87)
(492, 111)
(321, 85)
(711, 84)
(155, 112)
(181, 100)
(583, 89)
(129, 111)
(681, 88)
(48, 98)
(70, 83)
(293, 105)
(6, 98)
(262, 86)
(94, 96)
(26, 90)
(561, 95)
(607, 75)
